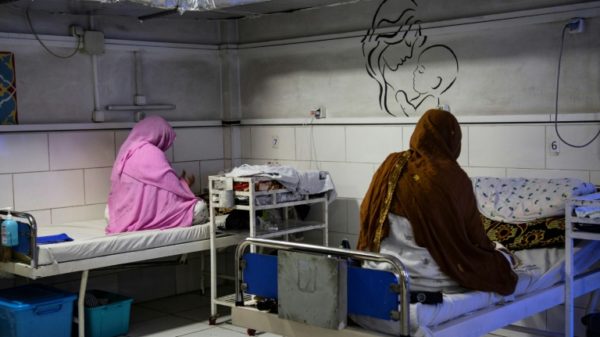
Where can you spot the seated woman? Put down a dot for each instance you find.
(420, 207)
(145, 192)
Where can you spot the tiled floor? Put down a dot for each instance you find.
(183, 316)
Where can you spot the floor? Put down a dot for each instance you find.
(182, 315)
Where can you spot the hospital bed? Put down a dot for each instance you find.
(467, 314)
(92, 249)
(541, 283)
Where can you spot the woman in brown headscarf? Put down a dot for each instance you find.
(426, 186)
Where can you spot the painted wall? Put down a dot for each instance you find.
(507, 65)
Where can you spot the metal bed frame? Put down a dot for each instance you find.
(28, 266)
(476, 323)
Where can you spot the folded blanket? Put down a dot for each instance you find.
(48, 239)
(588, 212)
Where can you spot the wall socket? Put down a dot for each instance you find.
(319, 112)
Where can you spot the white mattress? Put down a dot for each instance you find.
(90, 240)
(541, 269)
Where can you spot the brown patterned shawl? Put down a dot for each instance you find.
(427, 186)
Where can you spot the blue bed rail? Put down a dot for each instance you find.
(257, 275)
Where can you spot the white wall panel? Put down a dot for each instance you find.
(485, 171)
(273, 142)
(246, 142)
(526, 173)
(71, 150)
(372, 144)
(575, 158)
(595, 177)
(79, 213)
(6, 186)
(338, 212)
(353, 215)
(502, 146)
(97, 185)
(321, 143)
(42, 217)
(45, 190)
(23, 152)
(351, 179)
(208, 168)
(198, 144)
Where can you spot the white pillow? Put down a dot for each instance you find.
(517, 200)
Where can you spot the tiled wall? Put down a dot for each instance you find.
(62, 176)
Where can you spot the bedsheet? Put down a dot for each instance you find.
(540, 269)
(90, 240)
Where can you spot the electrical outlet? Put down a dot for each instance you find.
(275, 142)
(576, 25)
(319, 112)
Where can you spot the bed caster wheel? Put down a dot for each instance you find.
(212, 320)
(251, 332)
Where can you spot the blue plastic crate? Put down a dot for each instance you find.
(110, 319)
(35, 310)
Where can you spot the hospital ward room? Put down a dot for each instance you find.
(299, 168)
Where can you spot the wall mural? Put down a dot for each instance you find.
(411, 71)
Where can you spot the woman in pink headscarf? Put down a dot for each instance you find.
(145, 192)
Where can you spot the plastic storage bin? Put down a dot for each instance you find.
(110, 319)
(34, 311)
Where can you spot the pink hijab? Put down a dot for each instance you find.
(146, 193)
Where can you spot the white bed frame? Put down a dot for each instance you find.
(34, 271)
(474, 324)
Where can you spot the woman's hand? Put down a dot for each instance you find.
(188, 180)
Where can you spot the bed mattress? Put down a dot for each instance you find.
(90, 240)
(540, 269)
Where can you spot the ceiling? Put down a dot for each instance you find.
(226, 9)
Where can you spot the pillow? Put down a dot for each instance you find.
(518, 200)
(539, 233)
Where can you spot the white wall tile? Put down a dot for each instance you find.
(595, 177)
(246, 142)
(79, 213)
(516, 146)
(321, 143)
(227, 142)
(45, 190)
(23, 152)
(407, 132)
(351, 179)
(299, 165)
(264, 146)
(42, 217)
(337, 214)
(236, 142)
(97, 185)
(81, 149)
(198, 144)
(372, 144)
(208, 168)
(354, 215)
(587, 158)
(191, 168)
(525, 173)
(485, 171)
(6, 188)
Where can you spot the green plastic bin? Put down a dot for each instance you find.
(108, 320)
